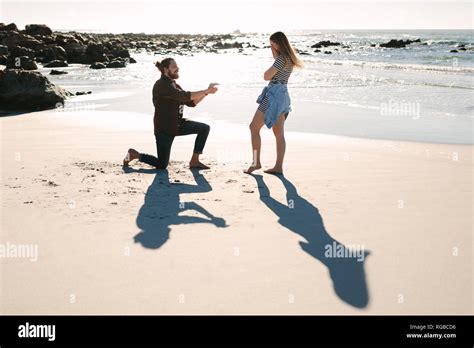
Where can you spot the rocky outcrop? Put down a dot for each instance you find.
(326, 43)
(50, 53)
(11, 39)
(399, 43)
(22, 62)
(116, 64)
(19, 51)
(28, 90)
(89, 48)
(40, 43)
(56, 64)
(97, 66)
(38, 29)
(227, 45)
(58, 72)
(9, 27)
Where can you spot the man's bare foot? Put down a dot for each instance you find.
(252, 168)
(130, 156)
(274, 170)
(197, 165)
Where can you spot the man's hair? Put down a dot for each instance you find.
(165, 63)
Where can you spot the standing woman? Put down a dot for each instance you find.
(275, 104)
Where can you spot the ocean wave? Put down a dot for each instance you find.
(397, 66)
(446, 42)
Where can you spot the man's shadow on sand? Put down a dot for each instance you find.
(162, 207)
(303, 218)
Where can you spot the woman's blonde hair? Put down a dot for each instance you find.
(286, 49)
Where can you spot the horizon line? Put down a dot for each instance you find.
(101, 31)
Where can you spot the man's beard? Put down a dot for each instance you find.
(174, 75)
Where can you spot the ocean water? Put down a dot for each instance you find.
(419, 93)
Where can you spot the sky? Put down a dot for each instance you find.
(223, 16)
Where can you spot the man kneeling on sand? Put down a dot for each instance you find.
(169, 100)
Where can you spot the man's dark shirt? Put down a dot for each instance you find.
(168, 99)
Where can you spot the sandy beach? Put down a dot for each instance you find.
(139, 241)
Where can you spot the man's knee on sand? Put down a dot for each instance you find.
(163, 163)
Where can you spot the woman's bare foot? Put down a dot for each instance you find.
(131, 155)
(274, 170)
(252, 168)
(197, 165)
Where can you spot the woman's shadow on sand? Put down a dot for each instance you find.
(303, 218)
(162, 207)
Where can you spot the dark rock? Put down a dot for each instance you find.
(218, 45)
(453, 51)
(28, 90)
(132, 60)
(97, 65)
(29, 42)
(80, 59)
(51, 53)
(80, 38)
(121, 53)
(398, 43)
(116, 64)
(38, 29)
(325, 44)
(462, 49)
(11, 39)
(95, 50)
(74, 52)
(317, 50)
(3, 60)
(237, 45)
(3, 50)
(63, 39)
(9, 27)
(24, 62)
(46, 40)
(327, 52)
(57, 72)
(227, 45)
(19, 51)
(56, 64)
(172, 44)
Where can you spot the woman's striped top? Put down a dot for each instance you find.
(283, 73)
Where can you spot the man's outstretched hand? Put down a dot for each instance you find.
(212, 88)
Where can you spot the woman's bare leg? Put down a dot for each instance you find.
(255, 126)
(279, 131)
